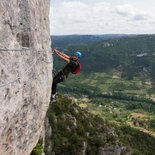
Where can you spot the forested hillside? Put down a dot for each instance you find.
(128, 58)
(117, 81)
(131, 55)
(77, 132)
(65, 41)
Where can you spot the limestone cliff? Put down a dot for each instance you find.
(25, 74)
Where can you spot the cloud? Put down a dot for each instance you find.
(124, 10)
(140, 17)
(79, 17)
(132, 13)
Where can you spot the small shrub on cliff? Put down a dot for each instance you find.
(37, 150)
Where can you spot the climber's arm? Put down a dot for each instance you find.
(63, 54)
(67, 59)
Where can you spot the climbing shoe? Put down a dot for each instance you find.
(53, 99)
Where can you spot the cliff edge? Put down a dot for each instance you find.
(25, 73)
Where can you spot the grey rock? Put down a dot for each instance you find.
(113, 150)
(83, 149)
(25, 76)
(48, 134)
(45, 136)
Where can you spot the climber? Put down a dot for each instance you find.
(72, 66)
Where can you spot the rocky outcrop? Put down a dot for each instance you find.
(113, 150)
(46, 137)
(25, 74)
(75, 131)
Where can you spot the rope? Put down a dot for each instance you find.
(22, 76)
(48, 62)
(23, 49)
(27, 71)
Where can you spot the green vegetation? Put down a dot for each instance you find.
(117, 85)
(74, 129)
(117, 76)
(132, 56)
(138, 142)
(37, 150)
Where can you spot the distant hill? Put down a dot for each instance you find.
(132, 55)
(67, 40)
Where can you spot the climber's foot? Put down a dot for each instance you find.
(53, 98)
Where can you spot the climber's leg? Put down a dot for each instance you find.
(57, 79)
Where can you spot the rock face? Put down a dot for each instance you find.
(25, 74)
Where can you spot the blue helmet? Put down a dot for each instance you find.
(78, 54)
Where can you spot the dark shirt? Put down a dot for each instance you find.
(70, 67)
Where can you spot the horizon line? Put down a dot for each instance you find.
(102, 34)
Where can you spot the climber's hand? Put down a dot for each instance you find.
(55, 51)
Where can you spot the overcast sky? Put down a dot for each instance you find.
(102, 17)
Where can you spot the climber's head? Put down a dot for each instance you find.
(77, 55)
